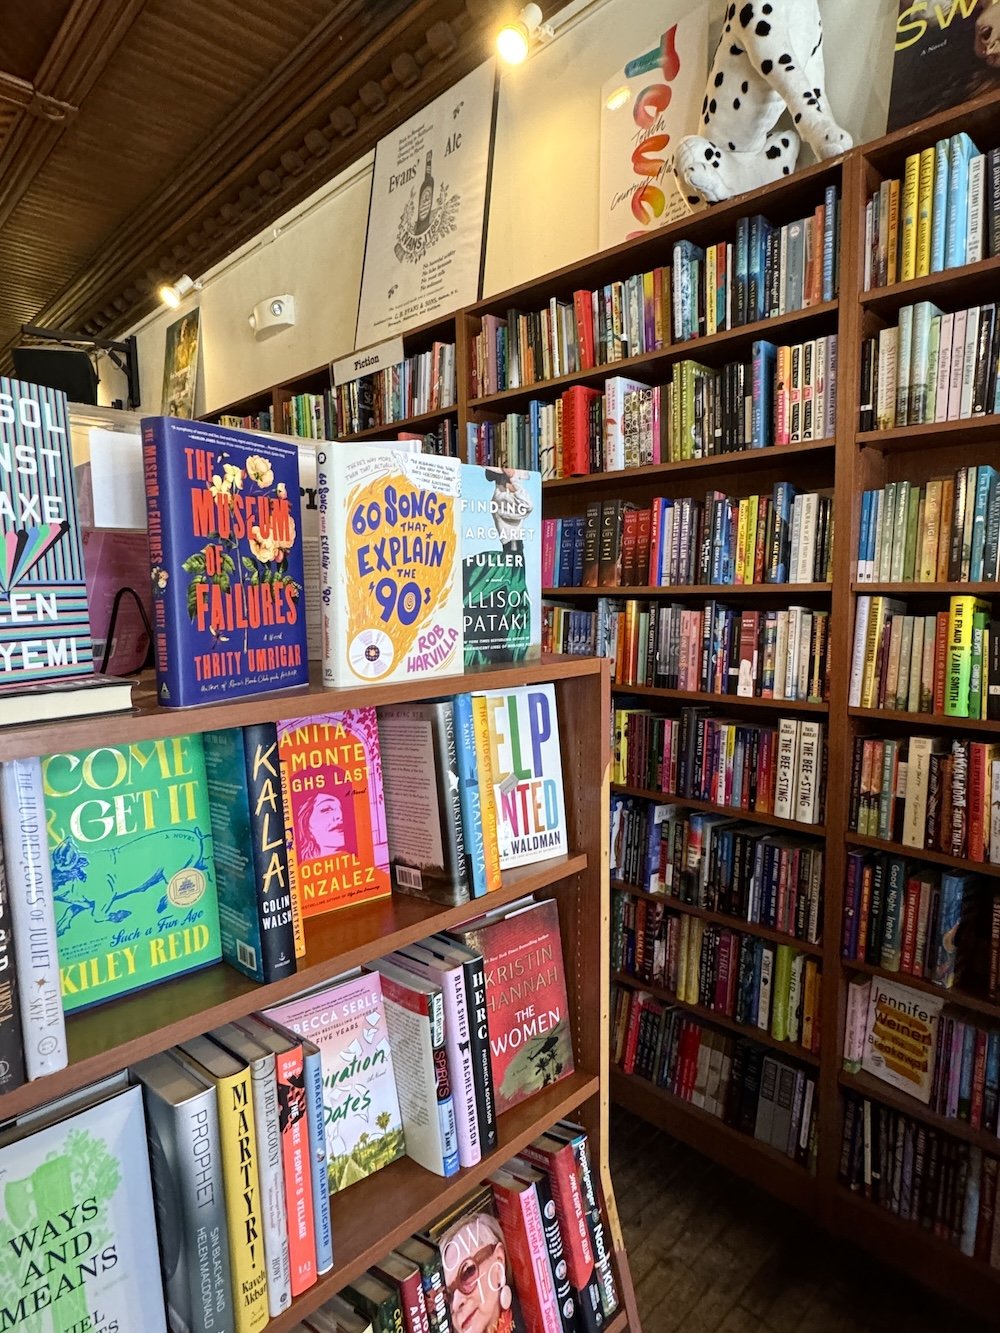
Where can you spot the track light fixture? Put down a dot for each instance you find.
(515, 37)
(173, 293)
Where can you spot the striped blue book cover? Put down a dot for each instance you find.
(44, 625)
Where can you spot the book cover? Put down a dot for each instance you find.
(900, 1037)
(520, 1217)
(346, 1020)
(331, 778)
(481, 847)
(478, 1273)
(939, 61)
(390, 525)
(225, 550)
(44, 623)
(501, 515)
(527, 773)
(133, 873)
(77, 1221)
(377, 1302)
(531, 1044)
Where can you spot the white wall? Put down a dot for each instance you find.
(543, 211)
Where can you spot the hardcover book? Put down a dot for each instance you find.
(44, 624)
(478, 1273)
(900, 1038)
(225, 549)
(346, 1020)
(942, 57)
(501, 564)
(133, 873)
(389, 554)
(331, 775)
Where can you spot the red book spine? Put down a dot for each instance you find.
(975, 849)
(583, 307)
(978, 1078)
(655, 538)
(298, 1180)
(632, 1039)
(630, 523)
(911, 909)
(559, 1164)
(529, 1256)
(643, 535)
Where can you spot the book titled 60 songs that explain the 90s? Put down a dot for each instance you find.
(225, 548)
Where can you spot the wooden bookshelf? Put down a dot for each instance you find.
(741, 459)
(933, 720)
(781, 592)
(951, 995)
(919, 854)
(728, 701)
(712, 807)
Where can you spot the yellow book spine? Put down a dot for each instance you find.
(487, 792)
(892, 243)
(239, 1181)
(695, 935)
(741, 543)
(876, 623)
(683, 944)
(710, 282)
(931, 531)
(753, 509)
(908, 250)
(944, 535)
(925, 211)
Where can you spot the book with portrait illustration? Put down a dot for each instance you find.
(225, 550)
(501, 564)
(478, 1272)
(390, 563)
(133, 872)
(346, 1020)
(944, 54)
(331, 781)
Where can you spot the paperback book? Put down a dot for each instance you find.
(501, 564)
(901, 1035)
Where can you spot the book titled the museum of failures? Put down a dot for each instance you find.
(225, 550)
(501, 564)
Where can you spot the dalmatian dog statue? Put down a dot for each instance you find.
(769, 57)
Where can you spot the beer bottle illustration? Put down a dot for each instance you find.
(424, 201)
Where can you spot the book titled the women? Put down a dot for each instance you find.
(331, 775)
(501, 564)
(133, 875)
(44, 623)
(390, 558)
(225, 548)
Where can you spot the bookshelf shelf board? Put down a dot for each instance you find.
(720, 1020)
(874, 1088)
(375, 1214)
(738, 1152)
(919, 720)
(782, 591)
(969, 430)
(991, 589)
(752, 816)
(919, 854)
(109, 1037)
(714, 345)
(955, 286)
(735, 700)
(963, 999)
(148, 721)
(391, 428)
(720, 919)
(738, 460)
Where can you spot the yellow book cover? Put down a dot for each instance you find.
(892, 243)
(487, 792)
(908, 249)
(741, 543)
(958, 658)
(944, 535)
(925, 211)
(753, 509)
(726, 777)
(237, 1135)
(931, 533)
(616, 757)
(693, 970)
(683, 942)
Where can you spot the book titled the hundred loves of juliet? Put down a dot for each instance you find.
(225, 549)
(44, 625)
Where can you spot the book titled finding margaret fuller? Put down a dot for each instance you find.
(501, 564)
(225, 549)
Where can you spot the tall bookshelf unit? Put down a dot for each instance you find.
(373, 1215)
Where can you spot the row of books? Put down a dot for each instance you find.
(784, 537)
(928, 793)
(914, 919)
(938, 663)
(752, 981)
(262, 420)
(930, 367)
(716, 1072)
(768, 271)
(722, 650)
(921, 1175)
(714, 862)
(778, 770)
(571, 630)
(942, 214)
(308, 415)
(947, 530)
(422, 382)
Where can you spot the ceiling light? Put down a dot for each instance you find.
(514, 38)
(618, 98)
(172, 293)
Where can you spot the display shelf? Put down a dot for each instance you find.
(921, 854)
(919, 720)
(781, 591)
(865, 1085)
(719, 1019)
(730, 700)
(951, 995)
(739, 460)
(719, 918)
(712, 807)
(969, 430)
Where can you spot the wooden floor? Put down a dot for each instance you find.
(711, 1254)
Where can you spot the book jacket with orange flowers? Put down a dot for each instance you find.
(225, 550)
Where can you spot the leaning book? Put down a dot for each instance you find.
(901, 1036)
(225, 550)
(77, 1224)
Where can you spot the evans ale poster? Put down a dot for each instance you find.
(427, 211)
(654, 102)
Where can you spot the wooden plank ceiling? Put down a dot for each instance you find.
(142, 139)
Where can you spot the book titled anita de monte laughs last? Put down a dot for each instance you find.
(225, 547)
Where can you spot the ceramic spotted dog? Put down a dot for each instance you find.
(769, 57)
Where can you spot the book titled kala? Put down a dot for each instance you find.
(225, 550)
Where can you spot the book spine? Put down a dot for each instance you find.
(312, 1069)
(271, 1176)
(32, 912)
(298, 1180)
(237, 1134)
(475, 998)
(167, 630)
(602, 1256)
(12, 1072)
(469, 796)
(272, 878)
(487, 791)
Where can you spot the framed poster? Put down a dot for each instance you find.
(180, 366)
(426, 218)
(647, 107)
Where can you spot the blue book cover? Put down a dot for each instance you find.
(501, 536)
(965, 1077)
(44, 623)
(939, 207)
(469, 798)
(863, 530)
(949, 918)
(831, 205)
(225, 549)
(956, 237)
(312, 1070)
(763, 360)
(783, 496)
(986, 479)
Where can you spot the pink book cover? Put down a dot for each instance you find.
(548, 552)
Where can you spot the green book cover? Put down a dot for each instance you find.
(780, 990)
(132, 871)
(910, 546)
(980, 625)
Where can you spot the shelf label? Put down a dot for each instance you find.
(368, 361)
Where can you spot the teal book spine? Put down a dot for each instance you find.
(468, 790)
(962, 150)
(939, 212)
